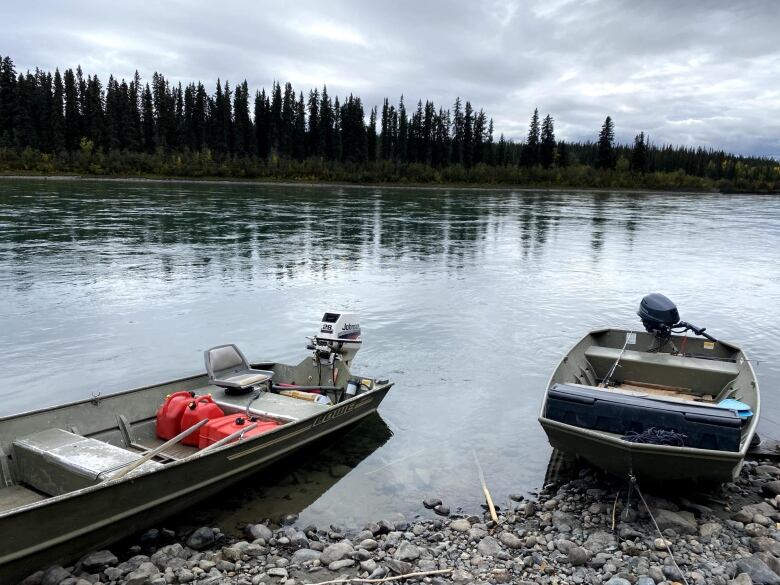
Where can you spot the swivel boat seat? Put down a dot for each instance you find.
(228, 368)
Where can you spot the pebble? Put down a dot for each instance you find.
(202, 538)
(562, 536)
(342, 564)
(489, 546)
(442, 510)
(661, 544)
(336, 552)
(577, 556)
(460, 525)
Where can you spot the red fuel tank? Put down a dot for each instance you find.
(219, 428)
(169, 414)
(195, 411)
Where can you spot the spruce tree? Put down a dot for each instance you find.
(7, 101)
(490, 157)
(639, 154)
(327, 140)
(200, 123)
(336, 136)
(606, 157)
(480, 132)
(393, 116)
(244, 131)
(429, 121)
(72, 112)
(313, 141)
(371, 137)
(468, 135)
(385, 136)
(457, 133)
(134, 100)
(148, 125)
(403, 132)
(93, 111)
(501, 150)
(530, 153)
(547, 143)
(58, 114)
(563, 154)
(288, 121)
(299, 129)
(276, 117)
(111, 117)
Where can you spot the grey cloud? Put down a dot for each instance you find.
(692, 73)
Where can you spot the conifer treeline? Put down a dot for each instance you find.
(60, 115)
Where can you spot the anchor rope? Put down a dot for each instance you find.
(633, 483)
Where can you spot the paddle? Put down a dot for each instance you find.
(138, 462)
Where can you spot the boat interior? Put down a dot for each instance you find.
(51, 452)
(685, 369)
(642, 376)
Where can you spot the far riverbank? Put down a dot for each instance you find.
(306, 183)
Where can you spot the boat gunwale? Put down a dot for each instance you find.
(648, 447)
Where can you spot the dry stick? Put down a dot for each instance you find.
(489, 500)
(385, 579)
(614, 508)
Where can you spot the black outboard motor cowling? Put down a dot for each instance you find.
(658, 313)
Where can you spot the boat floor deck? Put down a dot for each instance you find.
(174, 452)
(277, 406)
(15, 496)
(670, 393)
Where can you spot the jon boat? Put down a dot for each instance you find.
(77, 477)
(657, 405)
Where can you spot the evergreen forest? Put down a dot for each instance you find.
(69, 123)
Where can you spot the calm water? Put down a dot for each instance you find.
(467, 300)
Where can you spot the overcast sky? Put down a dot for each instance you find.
(699, 73)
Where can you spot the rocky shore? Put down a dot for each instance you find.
(589, 530)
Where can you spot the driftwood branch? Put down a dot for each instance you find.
(485, 491)
(385, 579)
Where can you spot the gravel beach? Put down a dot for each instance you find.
(590, 529)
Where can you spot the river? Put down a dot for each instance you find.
(467, 299)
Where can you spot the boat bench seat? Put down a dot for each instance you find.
(702, 376)
(55, 461)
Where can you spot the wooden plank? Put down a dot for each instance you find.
(766, 448)
(661, 387)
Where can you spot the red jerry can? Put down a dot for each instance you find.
(217, 429)
(194, 412)
(169, 414)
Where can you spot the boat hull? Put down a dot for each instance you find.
(61, 529)
(655, 464)
(602, 446)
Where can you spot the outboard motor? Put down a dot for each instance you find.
(660, 316)
(338, 339)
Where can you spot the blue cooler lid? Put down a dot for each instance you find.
(743, 410)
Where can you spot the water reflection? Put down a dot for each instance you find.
(246, 232)
(467, 298)
(294, 484)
